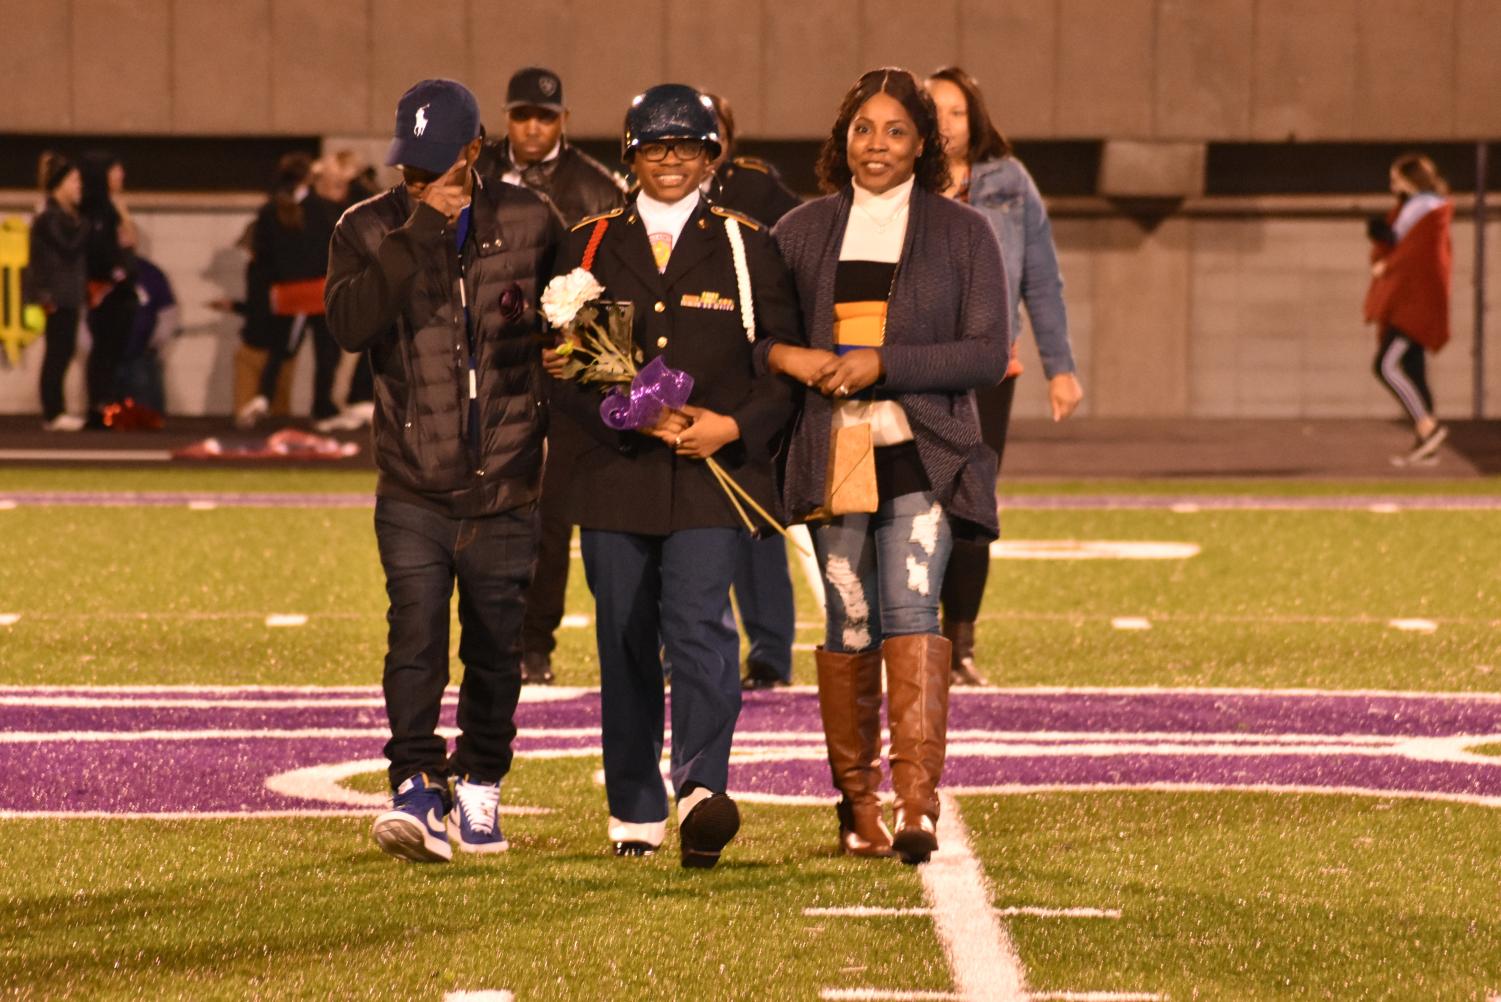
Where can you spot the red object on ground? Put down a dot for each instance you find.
(289, 443)
(128, 415)
(1412, 294)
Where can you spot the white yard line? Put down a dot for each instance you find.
(1011, 911)
(89, 455)
(981, 956)
(486, 995)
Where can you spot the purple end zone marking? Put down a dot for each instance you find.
(228, 772)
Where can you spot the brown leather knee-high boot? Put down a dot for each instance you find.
(917, 680)
(849, 699)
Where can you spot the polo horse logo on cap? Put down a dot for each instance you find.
(421, 125)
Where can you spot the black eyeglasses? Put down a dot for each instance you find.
(686, 149)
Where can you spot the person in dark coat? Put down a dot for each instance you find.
(904, 304)
(535, 153)
(763, 584)
(56, 280)
(659, 535)
(438, 279)
(111, 276)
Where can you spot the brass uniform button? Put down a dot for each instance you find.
(661, 342)
(661, 307)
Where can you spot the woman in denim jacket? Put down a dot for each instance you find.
(984, 174)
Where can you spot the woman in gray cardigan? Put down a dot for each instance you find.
(984, 173)
(904, 306)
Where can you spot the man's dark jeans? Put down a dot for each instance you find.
(423, 554)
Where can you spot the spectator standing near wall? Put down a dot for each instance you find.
(535, 154)
(56, 280)
(111, 276)
(1411, 265)
(984, 173)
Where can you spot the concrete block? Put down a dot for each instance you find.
(406, 46)
(1104, 68)
(717, 45)
(37, 101)
(812, 59)
(122, 79)
(1011, 48)
(1137, 169)
(206, 40)
(1477, 71)
(920, 37)
(1405, 69)
(615, 61)
(1203, 81)
(505, 37)
(1304, 70)
(1141, 320)
(320, 69)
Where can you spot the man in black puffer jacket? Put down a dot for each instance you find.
(438, 279)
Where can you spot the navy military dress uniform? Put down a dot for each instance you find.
(751, 186)
(659, 535)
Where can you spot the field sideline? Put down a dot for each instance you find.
(1260, 763)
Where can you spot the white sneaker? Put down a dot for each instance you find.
(65, 422)
(255, 408)
(351, 418)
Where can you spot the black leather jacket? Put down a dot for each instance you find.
(576, 183)
(394, 289)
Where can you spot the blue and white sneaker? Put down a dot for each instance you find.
(475, 821)
(413, 828)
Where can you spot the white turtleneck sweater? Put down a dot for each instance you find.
(876, 232)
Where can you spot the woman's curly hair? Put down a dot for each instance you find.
(833, 160)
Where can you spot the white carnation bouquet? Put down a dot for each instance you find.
(596, 333)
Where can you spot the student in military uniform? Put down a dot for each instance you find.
(763, 584)
(535, 154)
(659, 535)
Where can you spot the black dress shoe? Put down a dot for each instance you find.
(707, 829)
(536, 669)
(760, 676)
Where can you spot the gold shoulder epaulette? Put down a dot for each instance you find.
(594, 219)
(740, 218)
(753, 163)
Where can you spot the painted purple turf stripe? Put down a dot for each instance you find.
(223, 773)
(1013, 502)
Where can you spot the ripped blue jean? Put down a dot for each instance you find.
(896, 556)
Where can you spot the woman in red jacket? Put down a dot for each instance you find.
(1409, 295)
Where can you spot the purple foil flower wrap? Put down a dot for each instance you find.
(655, 387)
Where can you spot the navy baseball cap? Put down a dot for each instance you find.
(435, 120)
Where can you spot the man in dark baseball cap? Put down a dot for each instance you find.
(535, 87)
(435, 120)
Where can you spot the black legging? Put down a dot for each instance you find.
(1402, 368)
(326, 356)
(62, 342)
(110, 324)
(969, 563)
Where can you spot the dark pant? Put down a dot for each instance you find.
(110, 324)
(423, 553)
(286, 338)
(549, 590)
(653, 593)
(62, 342)
(763, 591)
(1402, 368)
(969, 564)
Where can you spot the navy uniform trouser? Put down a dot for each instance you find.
(656, 594)
(424, 553)
(763, 591)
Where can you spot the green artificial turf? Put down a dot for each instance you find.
(1275, 599)
(310, 908)
(1249, 896)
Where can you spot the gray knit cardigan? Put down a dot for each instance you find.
(947, 334)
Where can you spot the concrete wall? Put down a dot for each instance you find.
(1253, 315)
(1191, 70)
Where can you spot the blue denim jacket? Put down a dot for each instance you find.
(1006, 195)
